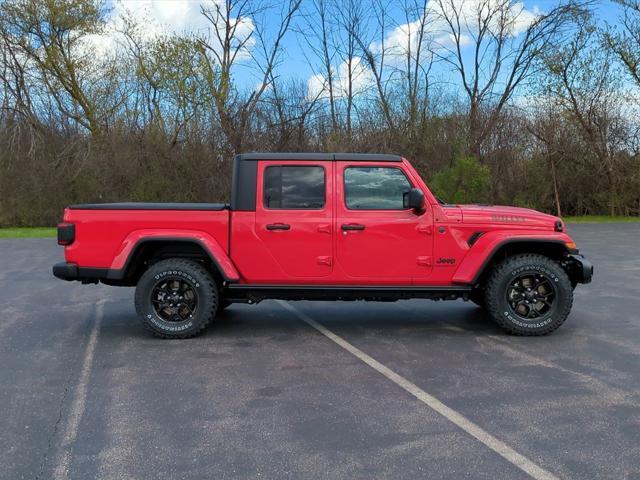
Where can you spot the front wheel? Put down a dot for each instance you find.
(176, 298)
(529, 295)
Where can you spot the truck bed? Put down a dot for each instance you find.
(150, 206)
(105, 231)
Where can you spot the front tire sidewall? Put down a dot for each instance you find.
(501, 311)
(200, 281)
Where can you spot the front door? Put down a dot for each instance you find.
(294, 218)
(378, 240)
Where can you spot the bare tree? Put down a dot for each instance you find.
(350, 19)
(502, 57)
(626, 44)
(319, 35)
(16, 96)
(547, 127)
(417, 61)
(51, 35)
(172, 75)
(581, 78)
(237, 34)
(160, 117)
(374, 54)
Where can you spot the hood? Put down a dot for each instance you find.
(497, 214)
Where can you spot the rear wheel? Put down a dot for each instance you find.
(529, 295)
(176, 298)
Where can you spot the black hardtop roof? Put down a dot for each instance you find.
(350, 157)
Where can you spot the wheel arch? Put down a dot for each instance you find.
(476, 271)
(136, 255)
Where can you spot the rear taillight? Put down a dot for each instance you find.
(66, 233)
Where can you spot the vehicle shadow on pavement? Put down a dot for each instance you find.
(390, 316)
(269, 319)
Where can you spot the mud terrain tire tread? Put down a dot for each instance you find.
(495, 293)
(208, 296)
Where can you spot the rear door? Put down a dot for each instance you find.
(378, 239)
(294, 217)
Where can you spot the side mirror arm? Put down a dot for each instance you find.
(415, 200)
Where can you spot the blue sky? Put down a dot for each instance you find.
(168, 16)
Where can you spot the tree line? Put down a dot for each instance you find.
(491, 102)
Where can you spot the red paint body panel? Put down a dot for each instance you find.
(304, 251)
(488, 243)
(106, 238)
(396, 247)
(370, 253)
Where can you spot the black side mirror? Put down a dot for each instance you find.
(414, 199)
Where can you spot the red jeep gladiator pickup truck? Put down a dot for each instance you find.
(306, 226)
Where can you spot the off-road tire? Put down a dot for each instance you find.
(200, 281)
(509, 270)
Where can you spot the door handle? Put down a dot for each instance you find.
(278, 226)
(352, 226)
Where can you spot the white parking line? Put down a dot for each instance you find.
(61, 471)
(606, 394)
(498, 446)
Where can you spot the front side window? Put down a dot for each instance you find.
(375, 188)
(294, 187)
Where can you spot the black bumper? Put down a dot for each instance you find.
(66, 271)
(582, 268)
(71, 271)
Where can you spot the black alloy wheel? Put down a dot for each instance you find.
(174, 299)
(531, 296)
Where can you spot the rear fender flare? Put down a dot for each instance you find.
(209, 244)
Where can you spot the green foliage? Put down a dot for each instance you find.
(52, 35)
(37, 232)
(466, 181)
(625, 43)
(601, 219)
(152, 117)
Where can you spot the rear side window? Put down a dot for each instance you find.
(294, 187)
(375, 188)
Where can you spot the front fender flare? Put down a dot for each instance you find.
(484, 249)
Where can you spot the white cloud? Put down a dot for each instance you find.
(405, 38)
(402, 40)
(161, 16)
(361, 80)
(516, 20)
(158, 18)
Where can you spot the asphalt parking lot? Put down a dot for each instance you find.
(86, 392)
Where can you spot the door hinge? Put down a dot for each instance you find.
(424, 261)
(426, 229)
(325, 260)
